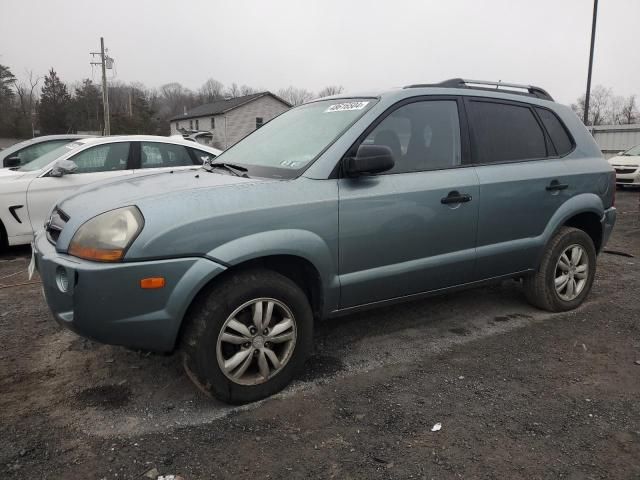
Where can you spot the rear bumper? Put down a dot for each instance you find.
(104, 301)
(607, 221)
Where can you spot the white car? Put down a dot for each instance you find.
(28, 194)
(627, 166)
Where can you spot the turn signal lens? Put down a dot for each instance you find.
(105, 238)
(152, 282)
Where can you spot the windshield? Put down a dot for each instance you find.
(290, 142)
(632, 152)
(49, 157)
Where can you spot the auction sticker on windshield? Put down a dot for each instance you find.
(344, 107)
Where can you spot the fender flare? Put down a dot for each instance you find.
(294, 242)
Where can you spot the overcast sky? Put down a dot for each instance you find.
(308, 43)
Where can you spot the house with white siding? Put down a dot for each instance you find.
(229, 121)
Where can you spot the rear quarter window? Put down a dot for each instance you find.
(556, 130)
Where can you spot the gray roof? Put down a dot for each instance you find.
(223, 106)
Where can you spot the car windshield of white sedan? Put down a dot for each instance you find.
(632, 152)
(292, 140)
(49, 157)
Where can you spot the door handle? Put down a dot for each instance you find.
(456, 197)
(556, 185)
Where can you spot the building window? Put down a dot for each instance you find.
(190, 124)
(213, 123)
(177, 125)
(197, 126)
(259, 122)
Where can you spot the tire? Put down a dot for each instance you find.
(206, 350)
(540, 288)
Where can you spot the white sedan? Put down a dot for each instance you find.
(627, 167)
(28, 194)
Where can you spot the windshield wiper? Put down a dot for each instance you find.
(229, 167)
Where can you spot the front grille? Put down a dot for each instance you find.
(55, 224)
(625, 169)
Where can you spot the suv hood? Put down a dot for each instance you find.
(625, 160)
(129, 190)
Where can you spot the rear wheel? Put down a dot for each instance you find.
(248, 337)
(565, 274)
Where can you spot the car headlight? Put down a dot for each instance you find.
(106, 237)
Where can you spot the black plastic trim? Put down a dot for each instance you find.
(12, 210)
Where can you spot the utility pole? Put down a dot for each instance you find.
(593, 39)
(105, 62)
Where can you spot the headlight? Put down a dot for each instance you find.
(105, 238)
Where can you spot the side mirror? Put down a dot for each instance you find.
(11, 162)
(63, 167)
(369, 160)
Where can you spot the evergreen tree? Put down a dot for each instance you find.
(86, 108)
(55, 103)
(7, 106)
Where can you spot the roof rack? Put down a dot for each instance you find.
(528, 90)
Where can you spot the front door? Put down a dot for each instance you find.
(411, 229)
(94, 164)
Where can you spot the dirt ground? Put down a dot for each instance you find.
(519, 393)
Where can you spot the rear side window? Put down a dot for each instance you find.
(556, 131)
(155, 155)
(200, 156)
(504, 132)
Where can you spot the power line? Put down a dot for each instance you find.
(105, 62)
(593, 39)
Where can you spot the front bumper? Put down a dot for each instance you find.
(632, 178)
(104, 301)
(608, 221)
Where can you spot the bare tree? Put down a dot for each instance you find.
(629, 111)
(247, 90)
(27, 97)
(175, 98)
(599, 106)
(233, 91)
(295, 96)
(330, 90)
(210, 91)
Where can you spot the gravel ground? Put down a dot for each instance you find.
(519, 393)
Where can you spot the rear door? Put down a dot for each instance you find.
(402, 232)
(522, 184)
(94, 164)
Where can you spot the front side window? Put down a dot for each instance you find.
(155, 155)
(291, 141)
(421, 136)
(102, 158)
(505, 132)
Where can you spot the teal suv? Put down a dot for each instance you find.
(343, 203)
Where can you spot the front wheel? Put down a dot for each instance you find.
(565, 274)
(248, 337)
